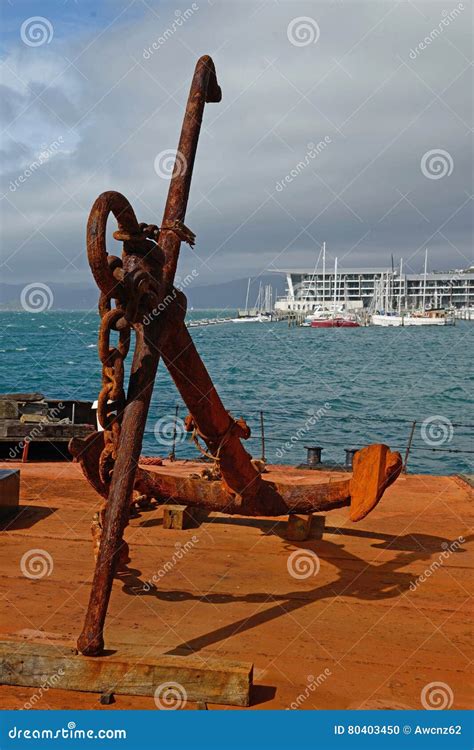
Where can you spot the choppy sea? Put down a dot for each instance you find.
(335, 388)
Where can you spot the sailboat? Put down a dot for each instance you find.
(257, 314)
(421, 317)
(334, 319)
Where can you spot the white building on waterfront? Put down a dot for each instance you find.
(356, 287)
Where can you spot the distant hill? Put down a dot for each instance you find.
(226, 295)
(232, 294)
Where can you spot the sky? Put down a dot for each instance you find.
(344, 122)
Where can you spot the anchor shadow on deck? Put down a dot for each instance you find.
(357, 578)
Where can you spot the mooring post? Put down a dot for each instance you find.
(313, 458)
(350, 453)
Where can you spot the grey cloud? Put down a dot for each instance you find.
(356, 85)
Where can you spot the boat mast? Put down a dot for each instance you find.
(400, 288)
(424, 280)
(312, 282)
(324, 273)
(247, 299)
(335, 287)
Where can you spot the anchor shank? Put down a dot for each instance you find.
(204, 88)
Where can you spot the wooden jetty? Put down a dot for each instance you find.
(386, 613)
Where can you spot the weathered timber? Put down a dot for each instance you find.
(9, 491)
(8, 409)
(298, 527)
(301, 526)
(180, 517)
(32, 664)
(21, 397)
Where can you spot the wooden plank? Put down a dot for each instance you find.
(298, 527)
(9, 490)
(301, 526)
(180, 517)
(32, 664)
(8, 409)
(21, 397)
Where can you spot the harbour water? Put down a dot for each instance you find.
(335, 388)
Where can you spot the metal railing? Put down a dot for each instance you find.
(264, 436)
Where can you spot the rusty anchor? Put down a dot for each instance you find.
(137, 294)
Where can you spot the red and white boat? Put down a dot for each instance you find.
(335, 322)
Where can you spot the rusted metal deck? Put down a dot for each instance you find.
(385, 612)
